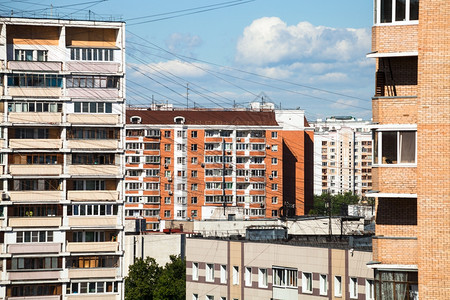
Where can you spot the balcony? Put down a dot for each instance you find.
(34, 222)
(52, 297)
(96, 67)
(94, 222)
(35, 170)
(402, 38)
(29, 117)
(395, 110)
(91, 297)
(392, 250)
(93, 273)
(41, 92)
(54, 66)
(93, 247)
(34, 275)
(93, 195)
(93, 144)
(92, 93)
(95, 170)
(35, 144)
(26, 248)
(100, 119)
(395, 180)
(35, 196)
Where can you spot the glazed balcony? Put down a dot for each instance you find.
(35, 143)
(92, 247)
(94, 196)
(35, 196)
(41, 92)
(92, 93)
(34, 222)
(34, 275)
(93, 273)
(94, 170)
(25, 248)
(100, 119)
(93, 144)
(94, 67)
(31, 118)
(35, 170)
(94, 221)
(52, 66)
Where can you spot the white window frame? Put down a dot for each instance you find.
(307, 283)
(235, 275)
(195, 271)
(323, 283)
(248, 276)
(377, 14)
(353, 288)
(263, 278)
(223, 274)
(370, 294)
(379, 149)
(209, 272)
(338, 286)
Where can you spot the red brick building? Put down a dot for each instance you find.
(411, 110)
(215, 164)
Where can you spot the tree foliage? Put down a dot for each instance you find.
(338, 203)
(147, 280)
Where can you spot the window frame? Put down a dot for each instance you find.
(307, 283)
(377, 157)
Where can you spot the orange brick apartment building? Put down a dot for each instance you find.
(411, 177)
(183, 165)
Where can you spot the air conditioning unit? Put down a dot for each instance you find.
(5, 196)
(238, 140)
(270, 177)
(203, 165)
(166, 166)
(137, 151)
(169, 179)
(268, 146)
(263, 205)
(170, 193)
(228, 152)
(246, 179)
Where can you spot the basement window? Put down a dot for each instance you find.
(395, 147)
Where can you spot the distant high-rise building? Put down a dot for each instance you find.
(214, 164)
(62, 128)
(342, 156)
(411, 115)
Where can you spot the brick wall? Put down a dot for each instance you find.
(434, 149)
(394, 110)
(395, 251)
(395, 180)
(387, 38)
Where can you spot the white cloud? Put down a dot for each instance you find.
(175, 67)
(183, 43)
(269, 40)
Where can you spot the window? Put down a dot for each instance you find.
(223, 274)
(167, 187)
(262, 278)
(167, 133)
(209, 272)
(248, 276)
(209, 297)
(193, 213)
(99, 82)
(195, 271)
(194, 160)
(167, 213)
(353, 288)
(235, 275)
(35, 80)
(274, 148)
(194, 200)
(274, 161)
(284, 277)
(193, 133)
(391, 11)
(369, 290)
(274, 134)
(25, 55)
(396, 285)
(100, 261)
(34, 236)
(323, 282)
(194, 174)
(194, 187)
(167, 200)
(306, 282)
(274, 200)
(35, 263)
(34, 290)
(34, 106)
(167, 147)
(94, 54)
(337, 286)
(274, 174)
(92, 210)
(274, 213)
(195, 297)
(194, 147)
(167, 161)
(274, 186)
(395, 147)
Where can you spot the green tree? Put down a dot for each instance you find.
(338, 202)
(172, 282)
(142, 278)
(146, 280)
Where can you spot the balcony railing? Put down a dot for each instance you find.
(93, 195)
(25, 248)
(42, 92)
(35, 196)
(93, 273)
(92, 247)
(35, 143)
(34, 275)
(94, 170)
(30, 117)
(39, 170)
(93, 144)
(93, 222)
(101, 119)
(34, 221)
(54, 66)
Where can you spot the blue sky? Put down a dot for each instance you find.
(298, 53)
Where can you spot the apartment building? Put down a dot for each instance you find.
(342, 156)
(411, 115)
(62, 135)
(299, 268)
(216, 164)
